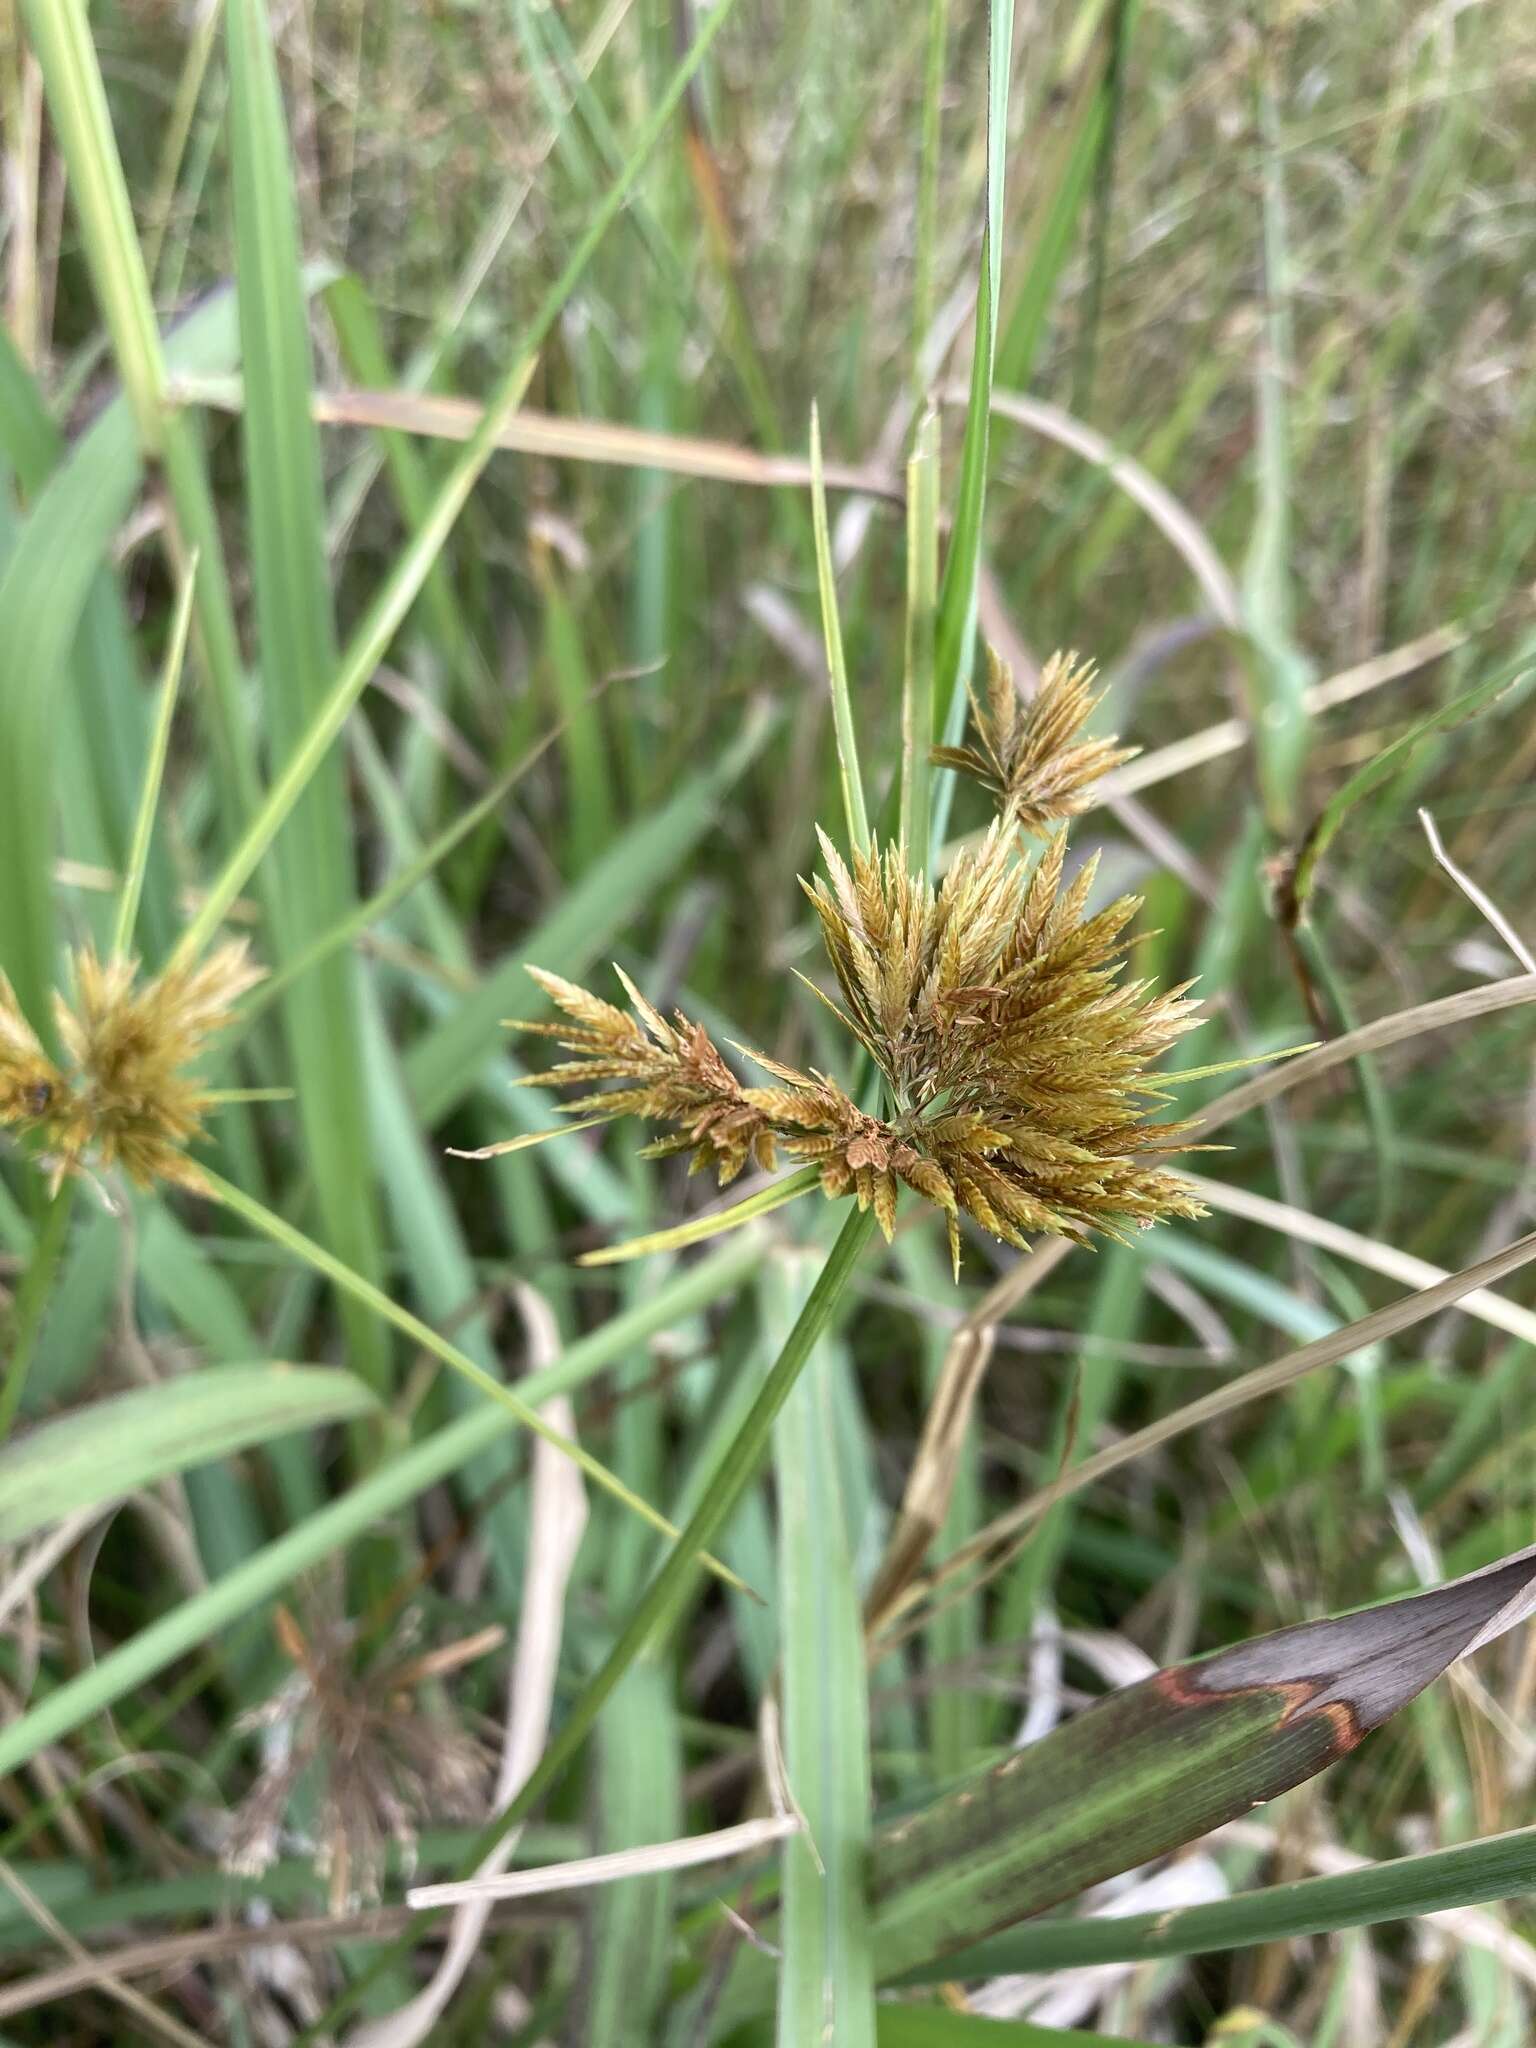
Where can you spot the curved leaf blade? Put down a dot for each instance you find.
(112, 1448)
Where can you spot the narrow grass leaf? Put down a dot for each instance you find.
(132, 891)
(362, 1291)
(114, 1447)
(922, 614)
(395, 1484)
(1440, 1880)
(855, 815)
(1389, 762)
(713, 1223)
(445, 1063)
(297, 650)
(826, 1983)
(48, 576)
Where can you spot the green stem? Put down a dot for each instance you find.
(32, 1300)
(664, 1600)
(354, 1284)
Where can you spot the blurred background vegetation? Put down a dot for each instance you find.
(1263, 444)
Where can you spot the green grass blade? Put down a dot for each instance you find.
(376, 1302)
(343, 1521)
(1390, 761)
(713, 1223)
(855, 816)
(297, 654)
(48, 576)
(60, 36)
(826, 1982)
(956, 627)
(1283, 671)
(1067, 167)
(1468, 1874)
(61, 41)
(25, 1322)
(922, 612)
(154, 768)
(114, 1447)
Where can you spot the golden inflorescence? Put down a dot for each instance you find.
(124, 1094)
(1016, 1061)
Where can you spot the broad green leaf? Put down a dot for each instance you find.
(99, 1453)
(1163, 1762)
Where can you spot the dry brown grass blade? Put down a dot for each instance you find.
(570, 440)
(1460, 1008)
(1230, 735)
(1504, 1315)
(149, 2016)
(557, 1520)
(1172, 519)
(980, 1556)
(931, 1482)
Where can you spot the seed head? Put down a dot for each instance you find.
(352, 1731)
(125, 1094)
(1015, 1056)
(1029, 755)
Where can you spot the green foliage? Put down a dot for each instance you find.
(1123, 329)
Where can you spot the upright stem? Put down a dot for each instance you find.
(664, 1599)
(32, 1300)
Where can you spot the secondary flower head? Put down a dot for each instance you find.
(354, 1731)
(125, 1094)
(1030, 755)
(1015, 1056)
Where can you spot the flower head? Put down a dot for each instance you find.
(350, 1729)
(1016, 1058)
(1029, 755)
(125, 1094)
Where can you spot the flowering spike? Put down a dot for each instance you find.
(1030, 756)
(126, 1095)
(1016, 1061)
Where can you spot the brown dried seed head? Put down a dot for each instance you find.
(126, 1095)
(1030, 756)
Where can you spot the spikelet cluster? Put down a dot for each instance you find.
(1016, 1058)
(125, 1094)
(354, 1732)
(1029, 755)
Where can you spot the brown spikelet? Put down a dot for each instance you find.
(351, 1733)
(127, 1094)
(1030, 756)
